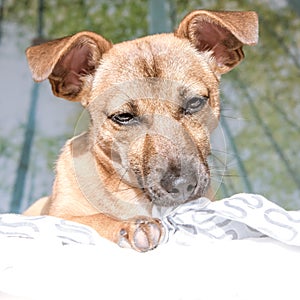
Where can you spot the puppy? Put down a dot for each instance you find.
(153, 103)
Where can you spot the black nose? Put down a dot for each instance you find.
(179, 187)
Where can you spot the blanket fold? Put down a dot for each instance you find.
(238, 217)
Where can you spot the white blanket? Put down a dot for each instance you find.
(238, 217)
(49, 258)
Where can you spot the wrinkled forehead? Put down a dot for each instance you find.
(154, 68)
(157, 90)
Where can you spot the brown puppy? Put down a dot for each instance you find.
(152, 102)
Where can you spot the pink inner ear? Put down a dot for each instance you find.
(209, 36)
(75, 64)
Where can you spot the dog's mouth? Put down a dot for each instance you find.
(170, 169)
(161, 198)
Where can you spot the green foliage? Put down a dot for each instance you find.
(268, 78)
(49, 147)
(116, 20)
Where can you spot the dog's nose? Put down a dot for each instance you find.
(179, 187)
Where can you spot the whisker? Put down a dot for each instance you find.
(228, 163)
(214, 179)
(233, 117)
(219, 151)
(229, 175)
(218, 159)
(216, 171)
(138, 195)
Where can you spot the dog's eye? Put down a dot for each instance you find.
(195, 104)
(123, 118)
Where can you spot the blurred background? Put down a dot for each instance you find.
(260, 99)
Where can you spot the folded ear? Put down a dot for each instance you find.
(67, 62)
(222, 33)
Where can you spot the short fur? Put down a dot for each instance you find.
(153, 103)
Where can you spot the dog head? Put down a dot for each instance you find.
(153, 101)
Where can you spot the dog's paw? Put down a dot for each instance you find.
(141, 233)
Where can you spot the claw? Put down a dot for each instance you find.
(123, 233)
(141, 221)
(123, 240)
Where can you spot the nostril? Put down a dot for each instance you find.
(181, 188)
(174, 191)
(191, 188)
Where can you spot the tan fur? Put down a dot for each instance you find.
(167, 86)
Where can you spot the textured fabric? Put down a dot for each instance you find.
(49, 258)
(47, 229)
(238, 217)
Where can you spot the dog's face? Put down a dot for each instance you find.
(155, 117)
(153, 101)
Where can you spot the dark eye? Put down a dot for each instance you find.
(124, 118)
(195, 104)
